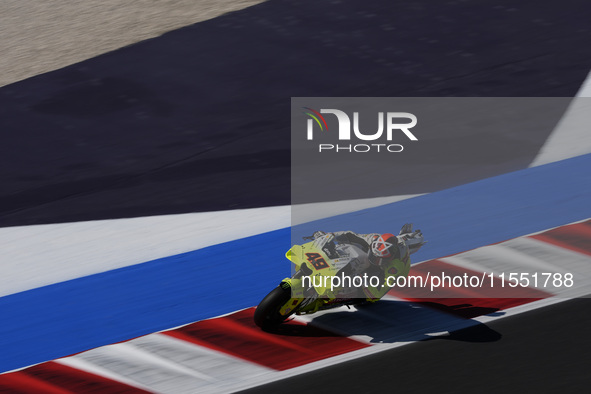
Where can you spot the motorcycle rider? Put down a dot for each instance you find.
(379, 255)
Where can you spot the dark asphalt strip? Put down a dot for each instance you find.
(198, 119)
(544, 350)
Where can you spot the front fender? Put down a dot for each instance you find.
(297, 295)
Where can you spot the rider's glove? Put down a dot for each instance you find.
(318, 234)
(413, 239)
(407, 228)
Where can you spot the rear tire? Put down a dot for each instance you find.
(267, 314)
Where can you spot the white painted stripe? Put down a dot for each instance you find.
(304, 213)
(585, 89)
(145, 369)
(572, 135)
(216, 365)
(500, 259)
(35, 256)
(162, 364)
(565, 261)
(532, 257)
(86, 366)
(39, 255)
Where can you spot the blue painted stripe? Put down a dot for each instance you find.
(77, 315)
(480, 213)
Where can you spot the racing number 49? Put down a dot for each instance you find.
(316, 260)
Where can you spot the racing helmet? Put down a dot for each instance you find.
(384, 249)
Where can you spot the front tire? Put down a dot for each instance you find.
(267, 314)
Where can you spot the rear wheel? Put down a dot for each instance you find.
(267, 313)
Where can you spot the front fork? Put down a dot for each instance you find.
(302, 300)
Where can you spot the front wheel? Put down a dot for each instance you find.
(267, 313)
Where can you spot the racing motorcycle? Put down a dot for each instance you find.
(311, 288)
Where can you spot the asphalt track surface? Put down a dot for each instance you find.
(87, 142)
(544, 350)
(198, 119)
